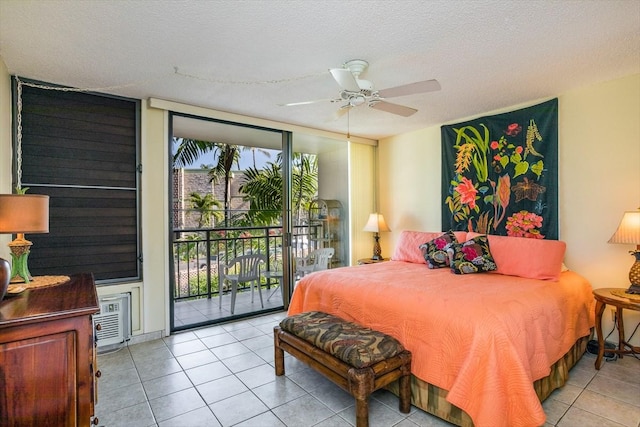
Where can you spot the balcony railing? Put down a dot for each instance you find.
(200, 253)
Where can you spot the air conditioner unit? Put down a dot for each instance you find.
(114, 320)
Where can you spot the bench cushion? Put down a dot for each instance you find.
(355, 345)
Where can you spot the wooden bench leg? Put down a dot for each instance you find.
(361, 385)
(362, 412)
(279, 353)
(405, 393)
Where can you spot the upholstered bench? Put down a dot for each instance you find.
(358, 359)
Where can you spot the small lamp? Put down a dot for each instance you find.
(628, 232)
(376, 224)
(20, 214)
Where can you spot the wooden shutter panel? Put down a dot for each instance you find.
(81, 149)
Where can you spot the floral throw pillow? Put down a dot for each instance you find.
(435, 251)
(472, 256)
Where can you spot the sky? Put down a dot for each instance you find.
(263, 156)
(246, 159)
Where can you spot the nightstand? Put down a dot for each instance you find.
(363, 261)
(603, 297)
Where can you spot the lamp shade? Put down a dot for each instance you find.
(628, 231)
(24, 213)
(376, 223)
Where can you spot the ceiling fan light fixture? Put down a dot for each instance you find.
(357, 100)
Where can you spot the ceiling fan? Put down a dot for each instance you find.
(356, 91)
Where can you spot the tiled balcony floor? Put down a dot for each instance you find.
(208, 309)
(223, 375)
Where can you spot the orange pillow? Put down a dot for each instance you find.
(408, 245)
(523, 257)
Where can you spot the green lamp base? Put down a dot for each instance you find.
(19, 268)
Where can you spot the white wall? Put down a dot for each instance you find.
(599, 179)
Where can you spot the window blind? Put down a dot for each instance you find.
(82, 149)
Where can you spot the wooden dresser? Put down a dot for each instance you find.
(47, 355)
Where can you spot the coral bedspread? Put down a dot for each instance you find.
(483, 337)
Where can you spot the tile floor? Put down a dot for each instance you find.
(190, 312)
(223, 376)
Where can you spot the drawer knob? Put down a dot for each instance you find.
(95, 421)
(98, 327)
(98, 373)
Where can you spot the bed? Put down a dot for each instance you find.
(487, 348)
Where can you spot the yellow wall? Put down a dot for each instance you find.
(362, 201)
(599, 178)
(5, 146)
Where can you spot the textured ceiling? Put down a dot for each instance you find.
(246, 57)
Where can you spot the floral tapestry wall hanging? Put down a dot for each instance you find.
(500, 173)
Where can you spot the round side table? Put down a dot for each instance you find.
(603, 297)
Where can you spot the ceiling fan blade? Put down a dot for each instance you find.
(411, 88)
(342, 111)
(345, 79)
(315, 101)
(400, 110)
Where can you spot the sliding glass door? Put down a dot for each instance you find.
(241, 192)
(227, 235)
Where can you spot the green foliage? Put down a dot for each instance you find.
(520, 168)
(470, 135)
(538, 168)
(198, 283)
(263, 189)
(186, 248)
(460, 211)
(190, 150)
(204, 206)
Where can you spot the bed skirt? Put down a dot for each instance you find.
(432, 399)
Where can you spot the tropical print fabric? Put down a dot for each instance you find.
(500, 173)
(435, 251)
(355, 345)
(472, 256)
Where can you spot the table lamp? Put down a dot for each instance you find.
(376, 224)
(20, 214)
(628, 232)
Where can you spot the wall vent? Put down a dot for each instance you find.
(114, 319)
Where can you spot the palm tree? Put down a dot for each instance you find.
(228, 155)
(190, 150)
(304, 184)
(263, 188)
(204, 206)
